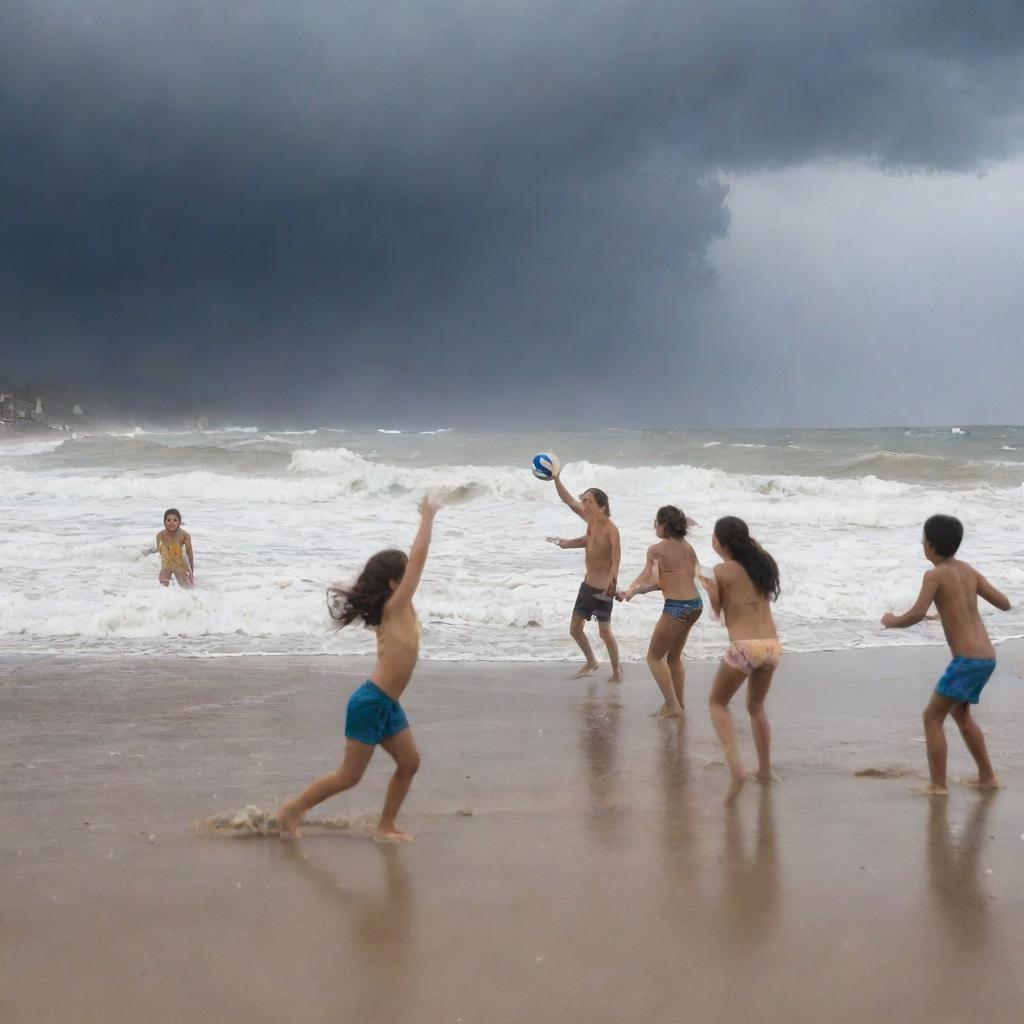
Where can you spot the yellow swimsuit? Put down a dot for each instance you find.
(173, 557)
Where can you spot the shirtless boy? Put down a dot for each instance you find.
(954, 587)
(597, 592)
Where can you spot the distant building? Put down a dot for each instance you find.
(20, 411)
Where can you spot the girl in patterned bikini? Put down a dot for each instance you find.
(745, 584)
(672, 568)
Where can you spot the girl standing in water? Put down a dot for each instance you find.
(174, 545)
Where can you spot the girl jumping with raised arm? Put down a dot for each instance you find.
(382, 599)
(671, 567)
(745, 584)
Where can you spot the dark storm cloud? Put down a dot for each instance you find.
(460, 211)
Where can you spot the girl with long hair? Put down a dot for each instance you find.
(382, 598)
(745, 584)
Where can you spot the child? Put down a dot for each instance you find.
(671, 567)
(597, 591)
(382, 598)
(745, 584)
(955, 588)
(175, 548)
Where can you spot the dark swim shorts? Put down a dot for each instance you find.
(965, 678)
(592, 601)
(373, 716)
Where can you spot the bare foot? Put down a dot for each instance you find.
(668, 712)
(930, 790)
(979, 783)
(291, 823)
(660, 712)
(765, 778)
(391, 834)
(587, 669)
(616, 676)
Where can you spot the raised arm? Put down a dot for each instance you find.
(929, 585)
(564, 494)
(417, 555)
(996, 598)
(648, 578)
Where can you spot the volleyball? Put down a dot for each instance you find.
(545, 466)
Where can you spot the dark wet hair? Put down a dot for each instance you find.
(366, 598)
(944, 533)
(672, 521)
(734, 535)
(172, 512)
(601, 498)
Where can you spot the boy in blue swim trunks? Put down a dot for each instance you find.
(382, 599)
(954, 587)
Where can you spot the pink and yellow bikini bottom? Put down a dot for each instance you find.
(747, 656)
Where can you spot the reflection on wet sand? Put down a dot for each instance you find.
(599, 741)
(751, 891)
(954, 871)
(381, 983)
(677, 807)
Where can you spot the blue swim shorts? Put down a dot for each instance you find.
(683, 610)
(965, 678)
(372, 716)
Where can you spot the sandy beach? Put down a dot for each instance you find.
(573, 858)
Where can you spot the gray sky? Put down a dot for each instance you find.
(474, 215)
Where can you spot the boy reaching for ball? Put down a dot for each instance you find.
(597, 591)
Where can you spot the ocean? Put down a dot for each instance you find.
(276, 516)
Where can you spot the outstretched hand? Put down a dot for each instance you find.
(557, 541)
(430, 505)
(888, 620)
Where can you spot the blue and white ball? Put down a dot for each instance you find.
(546, 466)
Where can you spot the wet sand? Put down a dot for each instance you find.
(598, 876)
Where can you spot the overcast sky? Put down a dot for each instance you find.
(469, 214)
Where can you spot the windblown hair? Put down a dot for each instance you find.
(672, 521)
(944, 533)
(601, 498)
(734, 535)
(366, 598)
(172, 512)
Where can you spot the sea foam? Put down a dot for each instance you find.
(273, 527)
